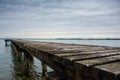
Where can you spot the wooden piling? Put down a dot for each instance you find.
(44, 69)
(26, 64)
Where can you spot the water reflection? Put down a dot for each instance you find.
(18, 69)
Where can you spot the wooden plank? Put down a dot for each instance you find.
(86, 67)
(85, 53)
(110, 71)
(99, 61)
(91, 56)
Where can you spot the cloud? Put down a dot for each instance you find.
(60, 17)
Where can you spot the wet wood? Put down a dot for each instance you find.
(54, 76)
(75, 61)
(44, 69)
(26, 64)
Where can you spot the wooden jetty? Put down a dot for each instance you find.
(73, 61)
(7, 41)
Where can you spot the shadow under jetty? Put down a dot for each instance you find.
(23, 68)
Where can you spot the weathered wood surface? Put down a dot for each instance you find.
(75, 61)
(53, 76)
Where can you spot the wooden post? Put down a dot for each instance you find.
(31, 58)
(18, 53)
(26, 64)
(27, 59)
(5, 42)
(44, 69)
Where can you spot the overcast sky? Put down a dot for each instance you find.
(60, 18)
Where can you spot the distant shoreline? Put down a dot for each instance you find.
(88, 38)
(65, 38)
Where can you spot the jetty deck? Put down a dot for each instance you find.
(75, 61)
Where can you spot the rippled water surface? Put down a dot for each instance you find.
(11, 69)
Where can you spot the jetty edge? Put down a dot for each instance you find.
(72, 61)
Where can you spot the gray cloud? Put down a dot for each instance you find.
(60, 16)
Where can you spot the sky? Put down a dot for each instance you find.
(60, 18)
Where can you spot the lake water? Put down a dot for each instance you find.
(10, 69)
